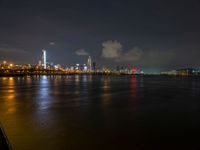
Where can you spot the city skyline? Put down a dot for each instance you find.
(43, 60)
(156, 36)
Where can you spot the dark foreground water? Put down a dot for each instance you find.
(101, 112)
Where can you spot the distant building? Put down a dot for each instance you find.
(187, 71)
(85, 68)
(135, 70)
(44, 59)
(182, 72)
(40, 63)
(117, 69)
(171, 72)
(77, 67)
(72, 68)
(57, 67)
(94, 66)
(89, 63)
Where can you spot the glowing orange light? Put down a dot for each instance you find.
(10, 78)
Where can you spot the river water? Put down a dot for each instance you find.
(100, 112)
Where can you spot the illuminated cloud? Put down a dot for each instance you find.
(111, 49)
(52, 43)
(81, 52)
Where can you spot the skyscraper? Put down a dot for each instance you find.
(94, 66)
(89, 63)
(44, 59)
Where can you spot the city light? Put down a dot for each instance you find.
(46, 68)
(44, 59)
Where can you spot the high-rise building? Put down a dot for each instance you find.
(44, 59)
(40, 63)
(94, 66)
(89, 63)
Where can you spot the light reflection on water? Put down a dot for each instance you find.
(106, 95)
(97, 112)
(10, 95)
(43, 96)
(134, 100)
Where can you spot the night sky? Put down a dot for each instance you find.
(150, 34)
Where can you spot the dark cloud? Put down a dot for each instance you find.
(157, 33)
(133, 55)
(9, 54)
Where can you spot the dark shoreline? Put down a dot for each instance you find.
(4, 143)
(96, 74)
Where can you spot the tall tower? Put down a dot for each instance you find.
(44, 59)
(89, 63)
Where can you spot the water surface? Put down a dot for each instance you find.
(100, 112)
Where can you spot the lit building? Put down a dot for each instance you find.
(89, 63)
(72, 68)
(172, 72)
(187, 72)
(57, 67)
(77, 67)
(182, 72)
(44, 59)
(40, 63)
(135, 70)
(85, 68)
